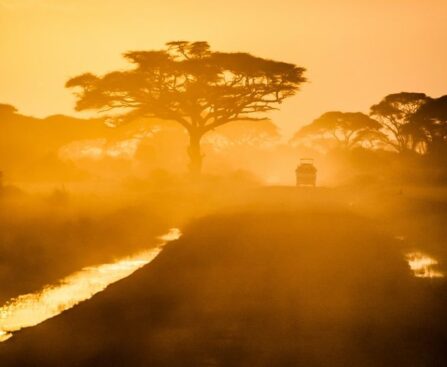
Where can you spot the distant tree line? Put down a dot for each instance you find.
(402, 122)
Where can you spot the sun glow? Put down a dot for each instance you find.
(32, 309)
(423, 265)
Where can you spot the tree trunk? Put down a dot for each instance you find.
(195, 154)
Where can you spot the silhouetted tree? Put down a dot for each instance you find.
(394, 112)
(429, 125)
(349, 129)
(188, 83)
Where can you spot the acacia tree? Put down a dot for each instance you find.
(188, 83)
(394, 112)
(429, 125)
(349, 129)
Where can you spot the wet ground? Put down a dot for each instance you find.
(282, 277)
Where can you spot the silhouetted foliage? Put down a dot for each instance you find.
(394, 112)
(7, 109)
(192, 85)
(429, 125)
(349, 129)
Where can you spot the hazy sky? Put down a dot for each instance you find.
(356, 51)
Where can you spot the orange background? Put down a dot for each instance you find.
(355, 51)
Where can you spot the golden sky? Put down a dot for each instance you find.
(356, 51)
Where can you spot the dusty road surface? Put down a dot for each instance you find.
(310, 286)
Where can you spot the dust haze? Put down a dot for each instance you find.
(181, 225)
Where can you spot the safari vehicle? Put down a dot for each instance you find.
(306, 173)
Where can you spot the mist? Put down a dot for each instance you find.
(177, 216)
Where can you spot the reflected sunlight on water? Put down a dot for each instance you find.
(4, 336)
(423, 265)
(32, 309)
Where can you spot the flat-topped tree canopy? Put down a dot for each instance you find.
(428, 125)
(349, 129)
(394, 112)
(188, 83)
